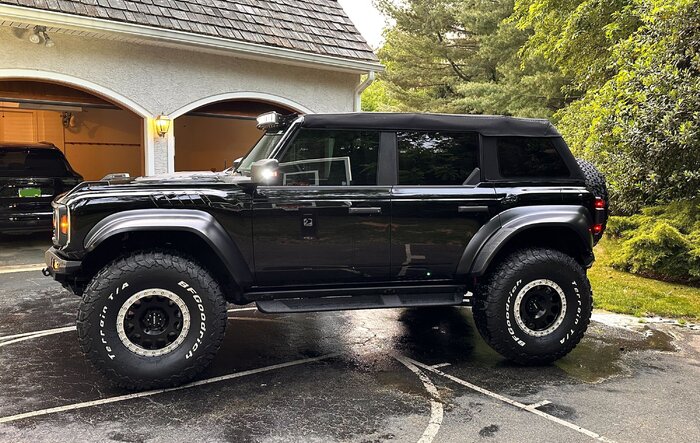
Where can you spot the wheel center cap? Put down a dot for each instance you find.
(154, 321)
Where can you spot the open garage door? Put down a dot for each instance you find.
(96, 136)
(211, 137)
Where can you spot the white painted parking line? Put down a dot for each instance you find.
(11, 269)
(121, 398)
(72, 328)
(511, 402)
(441, 365)
(17, 338)
(38, 334)
(436, 409)
(26, 334)
(539, 404)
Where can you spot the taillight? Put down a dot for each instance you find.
(599, 216)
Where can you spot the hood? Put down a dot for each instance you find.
(180, 177)
(155, 183)
(188, 178)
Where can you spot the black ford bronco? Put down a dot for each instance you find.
(336, 212)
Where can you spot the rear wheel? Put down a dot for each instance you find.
(534, 307)
(152, 319)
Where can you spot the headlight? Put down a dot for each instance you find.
(61, 225)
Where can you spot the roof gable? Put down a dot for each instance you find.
(314, 26)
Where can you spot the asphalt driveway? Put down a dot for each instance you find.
(393, 375)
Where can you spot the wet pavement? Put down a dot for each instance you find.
(364, 376)
(23, 249)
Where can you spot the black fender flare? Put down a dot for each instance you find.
(495, 234)
(200, 223)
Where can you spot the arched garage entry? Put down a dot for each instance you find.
(209, 137)
(97, 135)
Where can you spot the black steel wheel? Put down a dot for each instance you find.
(153, 322)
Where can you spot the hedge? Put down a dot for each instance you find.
(661, 242)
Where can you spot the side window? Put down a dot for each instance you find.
(437, 158)
(331, 158)
(521, 157)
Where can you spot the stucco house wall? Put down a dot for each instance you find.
(152, 79)
(164, 80)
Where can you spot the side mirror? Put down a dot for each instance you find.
(265, 172)
(237, 162)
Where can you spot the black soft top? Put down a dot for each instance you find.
(489, 125)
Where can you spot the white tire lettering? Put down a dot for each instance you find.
(509, 325)
(202, 327)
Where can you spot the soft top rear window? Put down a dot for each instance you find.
(32, 162)
(530, 157)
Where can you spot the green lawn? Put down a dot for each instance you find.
(630, 294)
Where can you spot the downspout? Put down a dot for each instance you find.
(371, 76)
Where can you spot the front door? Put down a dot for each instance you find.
(438, 204)
(329, 220)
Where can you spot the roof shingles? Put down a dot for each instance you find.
(316, 26)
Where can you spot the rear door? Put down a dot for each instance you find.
(438, 204)
(329, 221)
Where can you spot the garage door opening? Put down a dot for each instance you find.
(97, 136)
(211, 137)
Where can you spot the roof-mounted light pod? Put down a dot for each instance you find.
(269, 120)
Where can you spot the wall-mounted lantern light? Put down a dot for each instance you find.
(38, 33)
(47, 40)
(35, 36)
(162, 125)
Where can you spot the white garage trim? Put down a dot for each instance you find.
(85, 85)
(244, 95)
(78, 83)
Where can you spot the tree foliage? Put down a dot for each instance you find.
(376, 98)
(661, 241)
(637, 65)
(460, 56)
(620, 77)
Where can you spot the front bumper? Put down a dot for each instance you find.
(60, 268)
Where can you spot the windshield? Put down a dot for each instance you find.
(32, 162)
(261, 150)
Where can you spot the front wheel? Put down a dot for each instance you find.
(535, 306)
(152, 319)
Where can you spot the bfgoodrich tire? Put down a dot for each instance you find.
(534, 307)
(152, 319)
(595, 180)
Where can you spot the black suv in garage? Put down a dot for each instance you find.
(337, 212)
(31, 176)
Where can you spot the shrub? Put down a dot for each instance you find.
(661, 242)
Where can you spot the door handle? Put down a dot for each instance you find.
(365, 210)
(472, 209)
